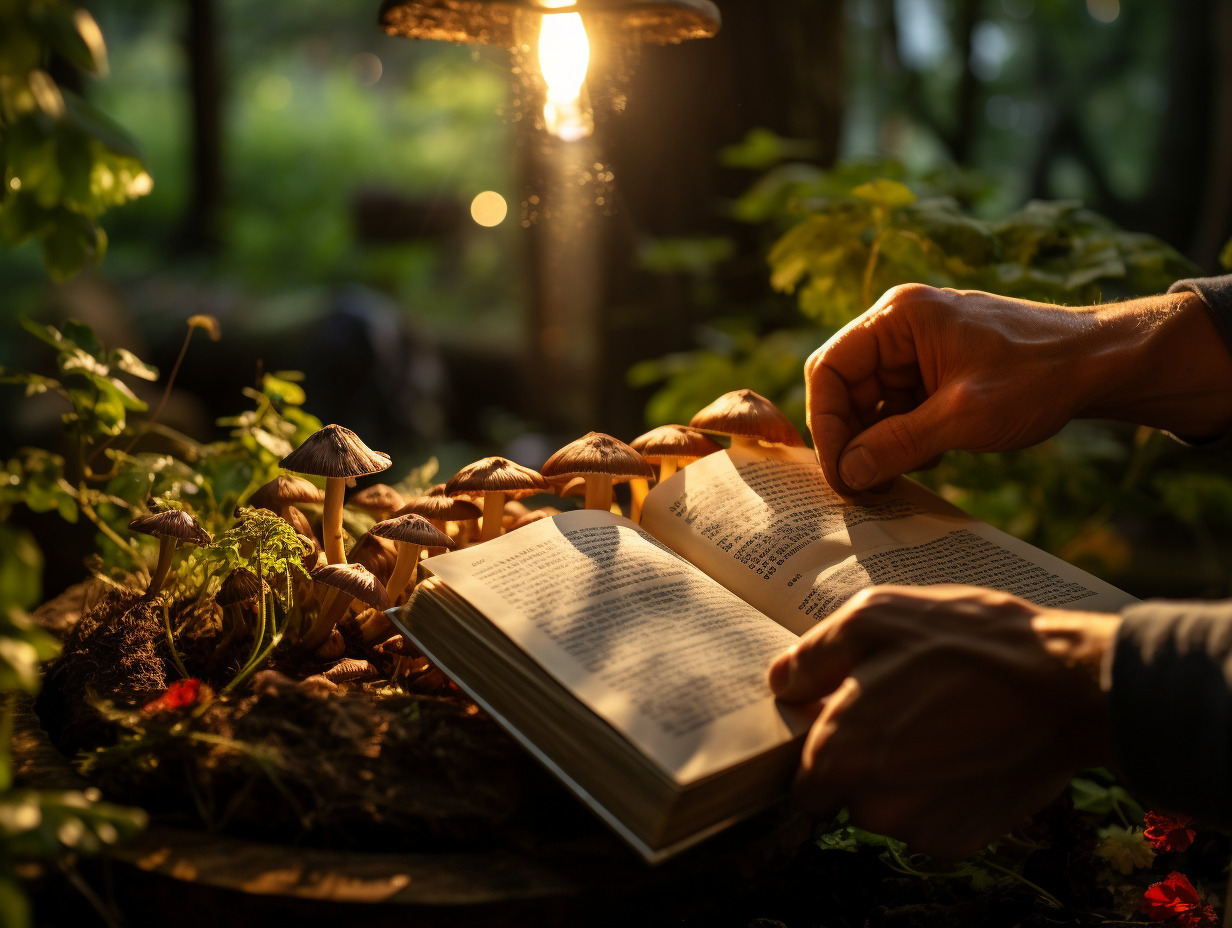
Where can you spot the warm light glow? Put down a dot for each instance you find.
(564, 54)
(489, 208)
(1105, 11)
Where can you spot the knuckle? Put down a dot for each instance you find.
(903, 437)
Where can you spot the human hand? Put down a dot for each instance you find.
(926, 371)
(950, 713)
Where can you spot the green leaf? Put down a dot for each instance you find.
(282, 392)
(14, 906)
(124, 360)
(884, 192)
(1225, 256)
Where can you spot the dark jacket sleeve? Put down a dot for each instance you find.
(1171, 704)
(1216, 293)
(1170, 678)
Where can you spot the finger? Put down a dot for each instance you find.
(899, 444)
(825, 656)
(831, 765)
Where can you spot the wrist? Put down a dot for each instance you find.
(1080, 643)
(1159, 362)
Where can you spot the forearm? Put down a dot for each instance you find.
(1159, 361)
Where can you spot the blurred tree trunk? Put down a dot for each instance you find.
(201, 230)
(775, 65)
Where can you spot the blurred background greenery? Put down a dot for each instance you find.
(312, 182)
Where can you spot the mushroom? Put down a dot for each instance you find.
(535, 515)
(601, 460)
(496, 478)
(379, 500)
(281, 493)
(747, 417)
(377, 554)
(238, 599)
(299, 521)
(337, 454)
(411, 533)
(440, 510)
(671, 447)
(170, 527)
(352, 581)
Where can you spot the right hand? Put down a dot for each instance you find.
(926, 371)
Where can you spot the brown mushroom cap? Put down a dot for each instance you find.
(375, 553)
(176, 524)
(240, 586)
(674, 441)
(440, 507)
(354, 580)
(378, 498)
(299, 521)
(596, 453)
(284, 490)
(535, 515)
(334, 451)
(497, 474)
(747, 414)
(412, 529)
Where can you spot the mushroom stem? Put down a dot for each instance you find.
(745, 443)
(331, 520)
(638, 488)
(326, 619)
(404, 570)
(166, 550)
(377, 627)
(493, 513)
(667, 467)
(598, 491)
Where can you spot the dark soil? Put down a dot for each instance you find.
(297, 760)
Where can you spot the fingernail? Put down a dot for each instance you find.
(856, 468)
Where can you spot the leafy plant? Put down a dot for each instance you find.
(837, 239)
(37, 825)
(64, 162)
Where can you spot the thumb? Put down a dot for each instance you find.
(896, 445)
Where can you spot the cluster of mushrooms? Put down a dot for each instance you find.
(481, 501)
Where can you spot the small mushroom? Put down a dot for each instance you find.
(535, 515)
(337, 454)
(747, 417)
(171, 527)
(379, 500)
(352, 581)
(299, 521)
(440, 510)
(671, 447)
(283, 492)
(411, 533)
(496, 478)
(238, 598)
(600, 459)
(379, 555)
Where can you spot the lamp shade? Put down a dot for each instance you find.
(492, 22)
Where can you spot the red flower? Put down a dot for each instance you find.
(1176, 902)
(182, 694)
(1169, 832)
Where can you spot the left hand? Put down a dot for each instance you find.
(950, 713)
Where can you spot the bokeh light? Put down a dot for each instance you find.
(489, 208)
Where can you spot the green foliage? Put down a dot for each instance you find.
(64, 162)
(264, 544)
(839, 238)
(110, 483)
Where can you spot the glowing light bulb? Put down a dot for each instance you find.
(564, 55)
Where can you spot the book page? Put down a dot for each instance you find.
(667, 656)
(769, 528)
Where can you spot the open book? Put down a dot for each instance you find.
(632, 661)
